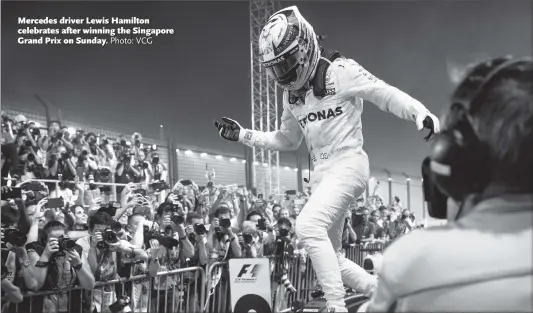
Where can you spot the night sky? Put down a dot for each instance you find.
(202, 72)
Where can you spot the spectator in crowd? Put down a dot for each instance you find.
(381, 225)
(402, 225)
(349, 236)
(365, 230)
(485, 251)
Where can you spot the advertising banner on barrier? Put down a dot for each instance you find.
(250, 285)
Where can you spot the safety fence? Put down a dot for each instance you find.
(182, 290)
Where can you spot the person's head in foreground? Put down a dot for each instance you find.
(486, 147)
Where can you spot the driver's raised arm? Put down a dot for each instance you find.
(288, 137)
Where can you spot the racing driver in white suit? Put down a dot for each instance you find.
(330, 122)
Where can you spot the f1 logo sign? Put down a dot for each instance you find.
(249, 271)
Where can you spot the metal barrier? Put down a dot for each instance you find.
(182, 290)
(358, 253)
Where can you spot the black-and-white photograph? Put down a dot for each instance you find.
(266, 156)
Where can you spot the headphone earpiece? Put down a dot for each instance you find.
(459, 162)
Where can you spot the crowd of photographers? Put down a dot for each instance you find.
(56, 237)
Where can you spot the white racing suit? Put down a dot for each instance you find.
(333, 132)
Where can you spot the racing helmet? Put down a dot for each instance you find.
(288, 49)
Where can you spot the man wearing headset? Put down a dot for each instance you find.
(323, 102)
(478, 176)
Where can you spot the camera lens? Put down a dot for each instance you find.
(110, 236)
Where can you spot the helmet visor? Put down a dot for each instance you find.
(283, 68)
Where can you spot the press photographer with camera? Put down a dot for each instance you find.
(251, 241)
(222, 243)
(61, 265)
(103, 250)
(401, 225)
(478, 177)
(126, 171)
(169, 248)
(264, 228)
(60, 163)
(156, 171)
(197, 233)
(33, 160)
(55, 137)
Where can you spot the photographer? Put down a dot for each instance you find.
(283, 249)
(103, 249)
(478, 177)
(106, 155)
(263, 226)
(222, 243)
(55, 137)
(125, 171)
(33, 162)
(158, 170)
(62, 265)
(141, 167)
(169, 247)
(59, 163)
(251, 241)
(197, 234)
(402, 225)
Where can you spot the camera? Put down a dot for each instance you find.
(225, 222)
(110, 236)
(247, 238)
(200, 229)
(144, 165)
(177, 219)
(141, 192)
(35, 132)
(59, 135)
(65, 156)
(167, 242)
(261, 225)
(283, 232)
(31, 157)
(15, 237)
(160, 185)
(65, 243)
(155, 160)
